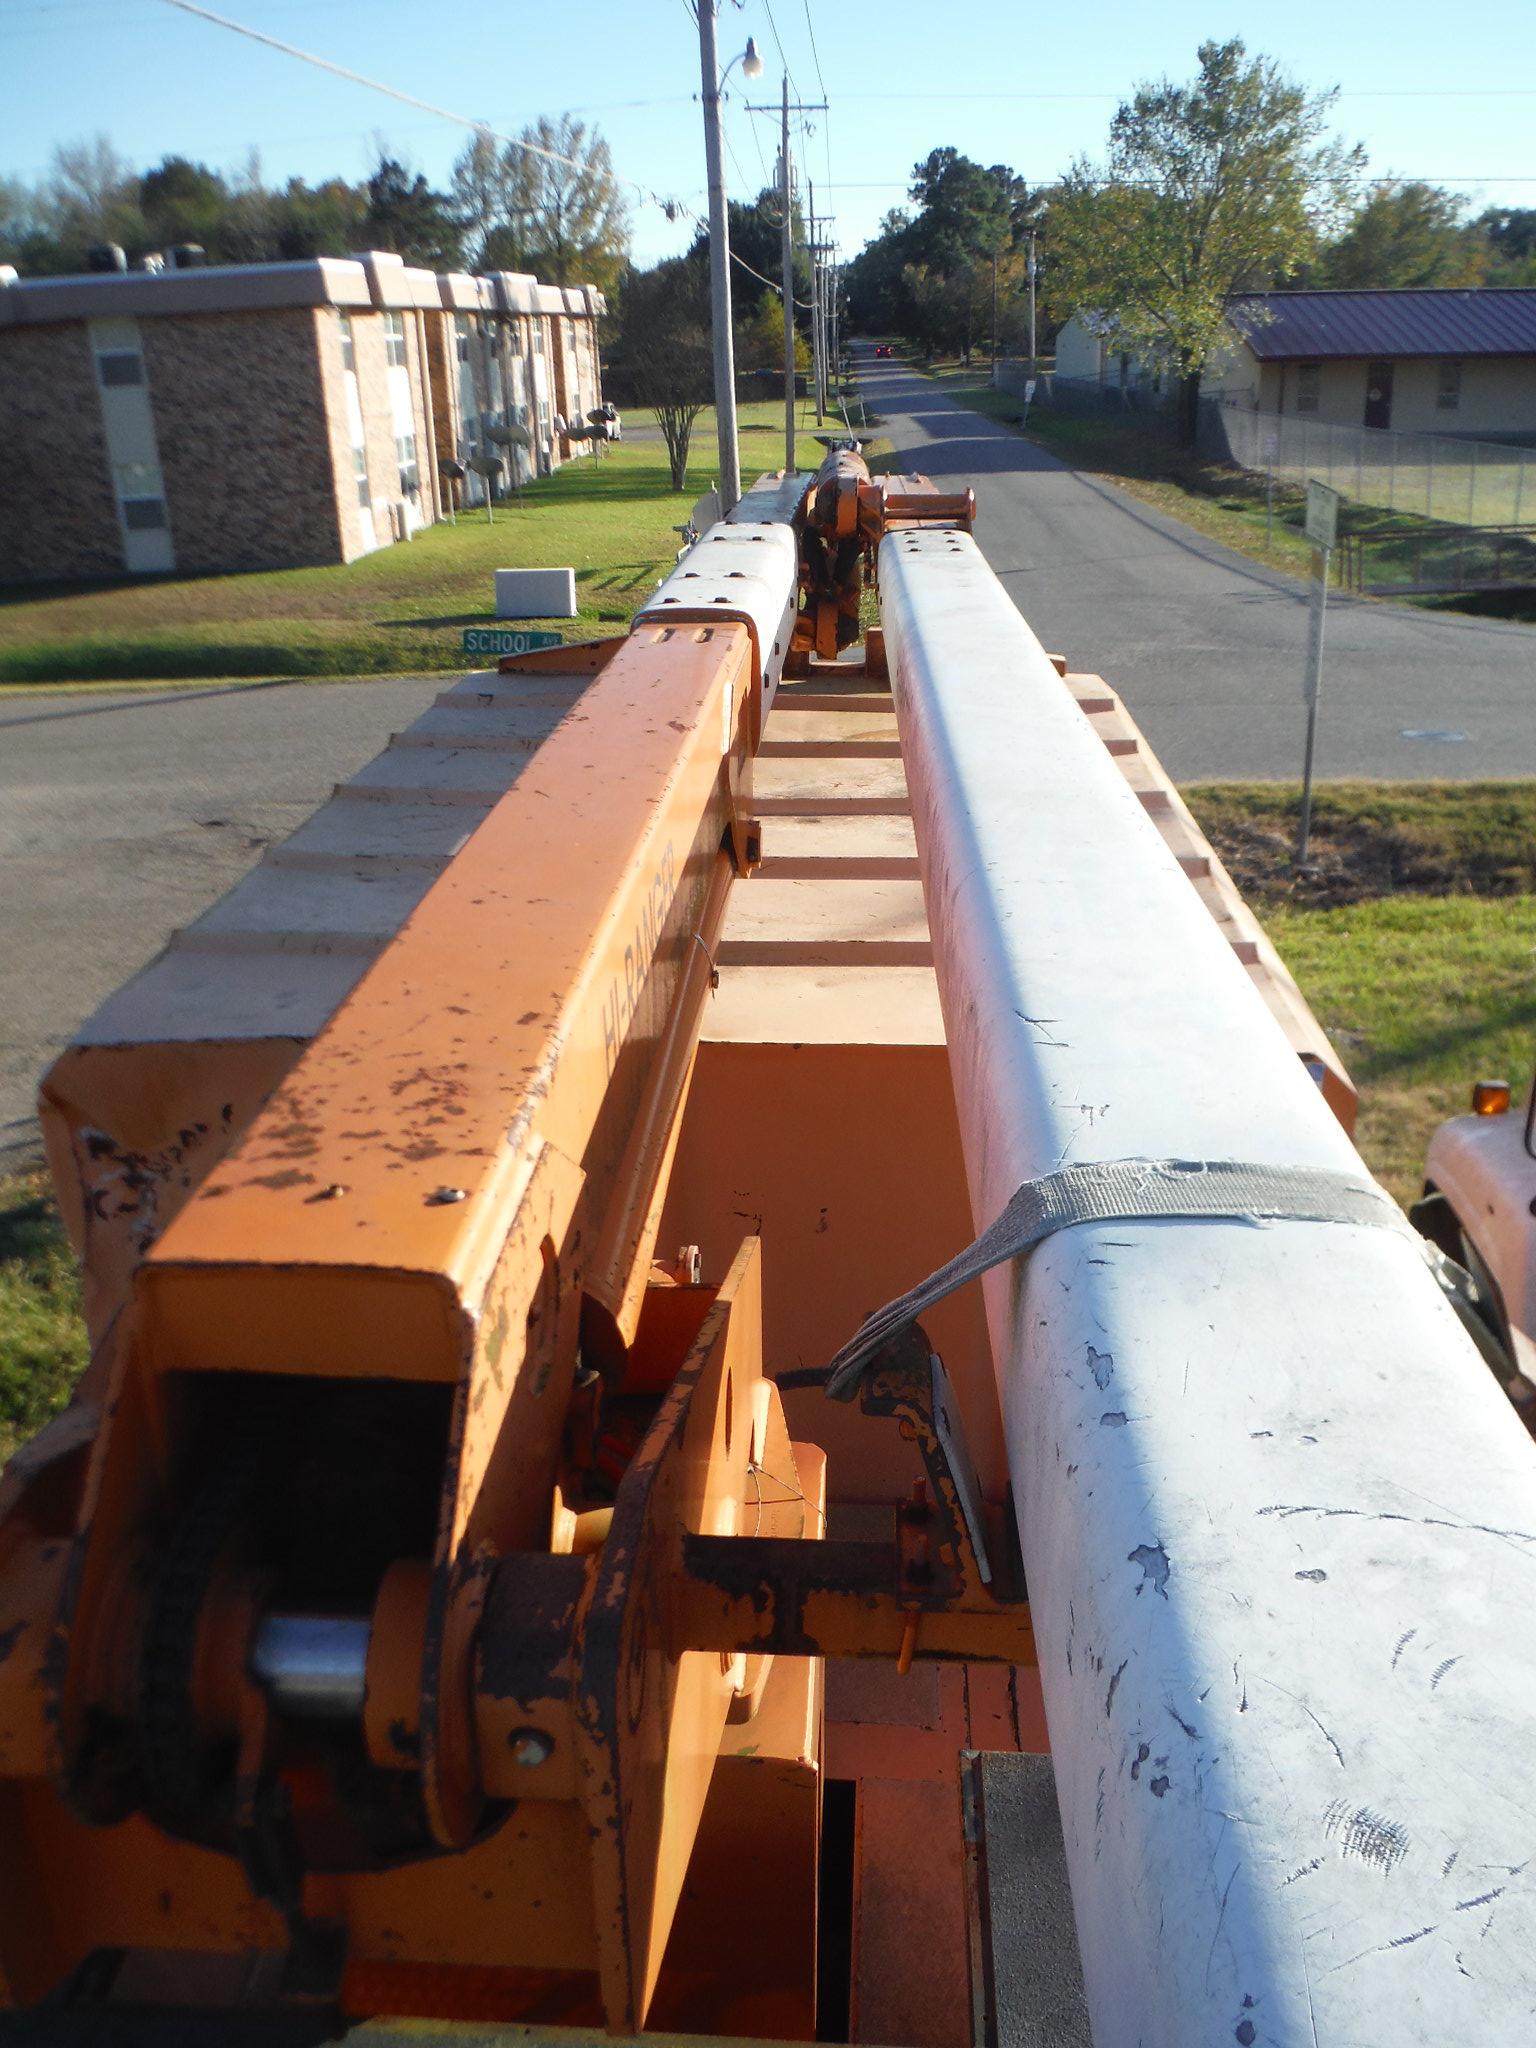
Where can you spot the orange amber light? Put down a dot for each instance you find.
(1490, 1098)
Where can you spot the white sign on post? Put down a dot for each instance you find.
(1322, 522)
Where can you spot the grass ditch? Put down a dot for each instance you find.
(1412, 933)
(400, 610)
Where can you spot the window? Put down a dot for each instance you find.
(1448, 391)
(360, 471)
(120, 366)
(144, 515)
(544, 418)
(461, 333)
(405, 455)
(394, 340)
(1309, 386)
(348, 345)
(538, 337)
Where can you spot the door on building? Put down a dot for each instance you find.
(1378, 394)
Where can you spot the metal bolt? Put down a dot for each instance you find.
(440, 1197)
(530, 1746)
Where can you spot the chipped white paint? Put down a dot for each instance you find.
(743, 572)
(1279, 1523)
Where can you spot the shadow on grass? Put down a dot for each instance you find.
(1515, 1014)
(29, 1225)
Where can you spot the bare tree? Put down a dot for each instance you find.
(663, 359)
(568, 218)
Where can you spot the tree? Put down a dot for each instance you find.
(183, 202)
(1215, 186)
(482, 196)
(1509, 234)
(318, 220)
(760, 339)
(877, 294)
(928, 274)
(1404, 234)
(405, 215)
(663, 358)
(966, 211)
(564, 213)
(756, 233)
(91, 196)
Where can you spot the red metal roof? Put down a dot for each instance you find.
(1495, 322)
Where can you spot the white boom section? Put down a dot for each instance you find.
(1278, 1521)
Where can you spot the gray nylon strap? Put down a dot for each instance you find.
(1125, 1191)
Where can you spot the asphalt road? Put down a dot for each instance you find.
(1206, 647)
(123, 816)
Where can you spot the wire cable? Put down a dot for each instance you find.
(815, 53)
(409, 99)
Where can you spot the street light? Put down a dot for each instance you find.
(719, 248)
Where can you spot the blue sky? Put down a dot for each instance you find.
(1030, 88)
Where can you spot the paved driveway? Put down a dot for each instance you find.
(124, 816)
(1206, 647)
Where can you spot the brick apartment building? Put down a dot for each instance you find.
(271, 415)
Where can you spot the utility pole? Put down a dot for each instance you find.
(1034, 367)
(834, 347)
(719, 266)
(785, 108)
(787, 200)
(822, 251)
(994, 316)
(816, 362)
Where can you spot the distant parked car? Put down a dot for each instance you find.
(883, 348)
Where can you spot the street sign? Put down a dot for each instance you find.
(1322, 523)
(502, 640)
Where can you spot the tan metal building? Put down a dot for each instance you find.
(1443, 361)
(267, 415)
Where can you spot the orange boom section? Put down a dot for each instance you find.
(341, 1385)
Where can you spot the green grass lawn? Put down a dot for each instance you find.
(1412, 933)
(402, 609)
(1422, 996)
(42, 1339)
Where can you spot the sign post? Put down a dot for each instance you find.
(1322, 528)
(1271, 450)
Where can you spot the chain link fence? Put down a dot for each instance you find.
(1431, 476)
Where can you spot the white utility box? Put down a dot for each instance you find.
(535, 593)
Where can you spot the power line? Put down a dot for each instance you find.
(778, 43)
(815, 53)
(256, 35)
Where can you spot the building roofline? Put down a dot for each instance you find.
(372, 278)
